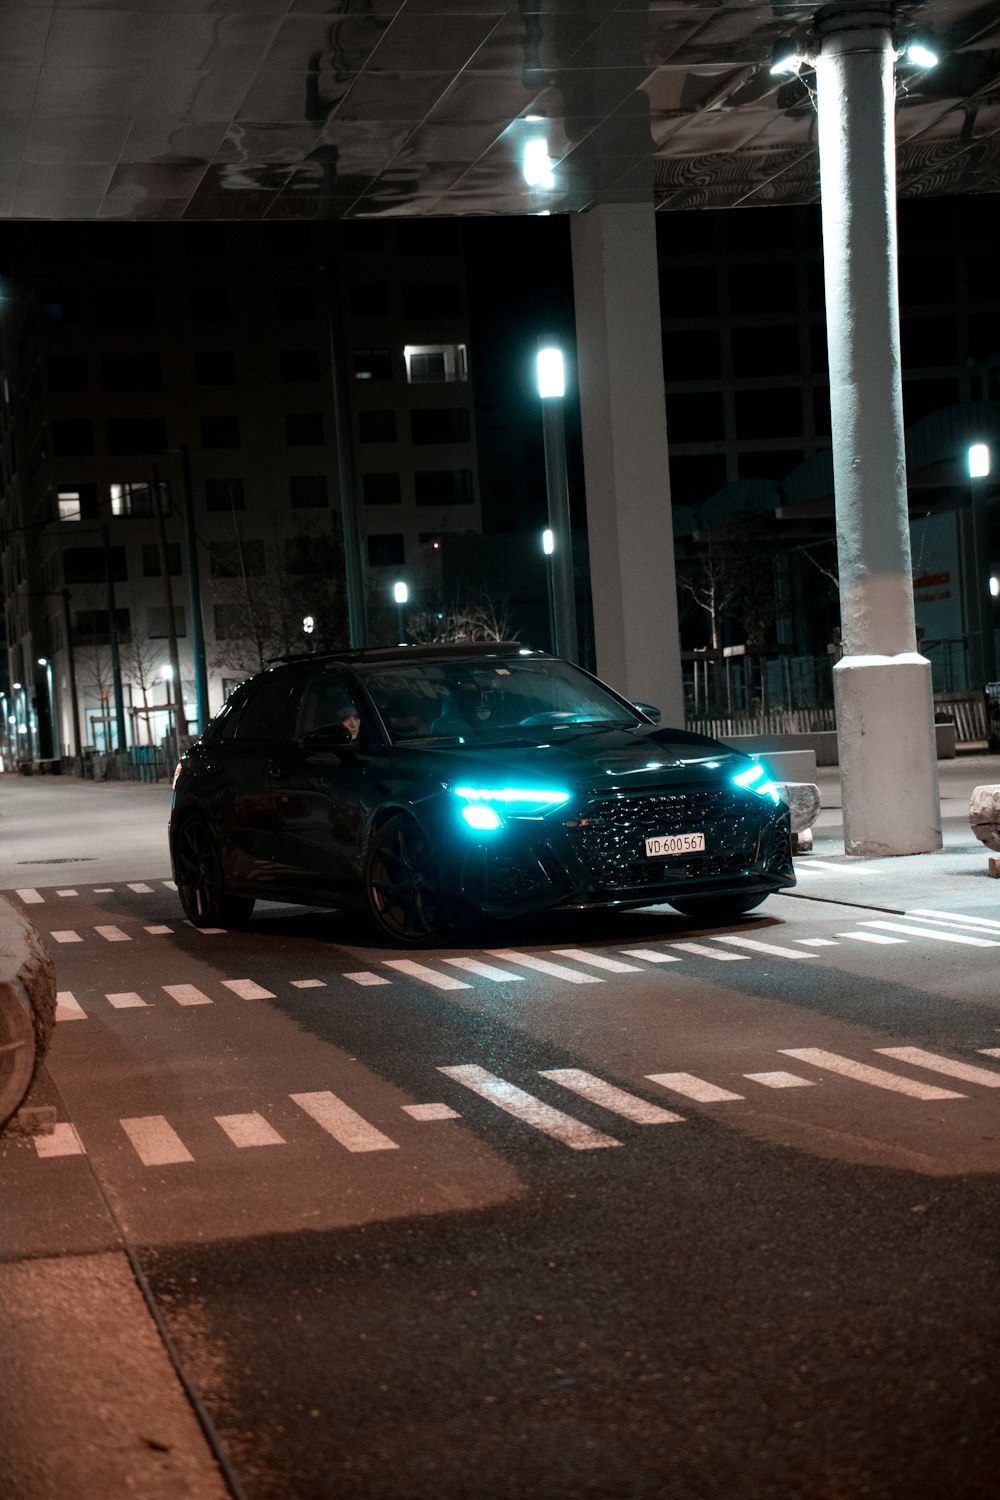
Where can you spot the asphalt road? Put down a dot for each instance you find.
(613, 1207)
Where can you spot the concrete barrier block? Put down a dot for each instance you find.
(803, 801)
(984, 815)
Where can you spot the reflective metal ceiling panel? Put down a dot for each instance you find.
(150, 109)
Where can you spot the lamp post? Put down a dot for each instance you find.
(401, 593)
(978, 465)
(548, 548)
(551, 377)
(167, 673)
(55, 745)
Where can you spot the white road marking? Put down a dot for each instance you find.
(68, 1007)
(140, 889)
(531, 1111)
(989, 923)
(702, 951)
(617, 1100)
(597, 960)
(63, 1141)
(967, 1072)
(159, 931)
(652, 955)
(186, 994)
(871, 937)
(155, 1142)
(113, 934)
(693, 1088)
(878, 1078)
(169, 884)
(362, 977)
(822, 864)
(67, 893)
(485, 971)
(30, 897)
(544, 966)
(247, 989)
(932, 932)
(207, 931)
(67, 935)
(427, 975)
(308, 984)
(779, 1080)
(431, 1112)
(125, 1000)
(758, 947)
(818, 942)
(343, 1123)
(249, 1130)
(104, 890)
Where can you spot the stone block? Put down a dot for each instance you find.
(804, 803)
(984, 815)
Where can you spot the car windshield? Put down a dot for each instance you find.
(490, 700)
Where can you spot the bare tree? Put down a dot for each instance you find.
(478, 618)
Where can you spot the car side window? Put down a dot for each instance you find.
(326, 701)
(268, 714)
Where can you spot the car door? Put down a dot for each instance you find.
(243, 812)
(318, 793)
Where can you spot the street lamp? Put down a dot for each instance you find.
(551, 378)
(978, 467)
(55, 745)
(401, 593)
(167, 673)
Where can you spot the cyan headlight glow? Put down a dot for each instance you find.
(485, 805)
(756, 779)
(480, 817)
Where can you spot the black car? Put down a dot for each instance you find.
(432, 785)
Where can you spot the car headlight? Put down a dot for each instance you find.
(756, 779)
(484, 808)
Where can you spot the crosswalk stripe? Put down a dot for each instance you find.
(989, 923)
(363, 977)
(29, 896)
(617, 1100)
(652, 955)
(125, 1000)
(823, 864)
(693, 1088)
(701, 950)
(154, 1141)
(338, 1119)
(531, 1111)
(597, 960)
(756, 946)
(68, 1007)
(934, 1063)
(989, 1051)
(63, 1141)
(486, 971)
(104, 890)
(427, 975)
(247, 989)
(67, 892)
(186, 994)
(431, 1112)
(932, 932)
(871, 937)
(308, 984)
(819, 942)
(249, 1130)
(66, 935)
(832, 1062)
(159, 931)
(169, 885)
(780, 1080)
(207, 931)
(140, 888)
(113, 934)
(545, 966)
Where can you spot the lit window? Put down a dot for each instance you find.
(138, 499)
(69, 505)
(433, 363)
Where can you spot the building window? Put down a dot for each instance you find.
(303, 428)
(210, 304)
(386, 549)
(126, 306)
(220, 432)
(134, 435)
(444, 424)
(231, 559)
(381, 489)
(90, 627)
(157, 621)
(139, 500)
(72, 437)
(78, 503)
(432, 299)
(443, 486)
(215, 367)
(294, 302)
(152, 566)
(67, 372)
(432, 364)
(368, 299)
(298, 366)
(131, 372)
(225, 494)
(372, 364)
(376, 426)
(307, 491)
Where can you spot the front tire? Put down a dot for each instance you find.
(718, 908)
(200, 881)
(403, 886)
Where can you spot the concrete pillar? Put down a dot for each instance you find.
(883, 690)
(629, 520)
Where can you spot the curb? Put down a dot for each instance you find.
(27, 1007)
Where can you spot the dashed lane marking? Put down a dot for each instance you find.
(186, 994)
(431, 1112)
(67, 893)
(308, 984)
(486, 971)
(362, 976)
(159, 931)
(871, 937)
(531, 1111)
(104, 890)
(818, 942)
(756, 946)
(68, 1007)
(155, 1141)
(608, 1096)
(544, 966)
(780, 1080)
(63, 1141)
(140, 888)
(249, 1130)
(29, 896)
(831, 1062)
(822, 864)
(427, 975)
(932, 932)
(113, 934)
(596, 960)
(988, 923)
(247, 989)
(652, 956)
(125, 1000)
(700, 950)
(352, 1130)
(691, 1087)
(66, 935)
(918, 1057)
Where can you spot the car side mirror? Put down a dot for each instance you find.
(328, 737)
(649, 710)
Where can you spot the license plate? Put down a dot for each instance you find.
(675, 843)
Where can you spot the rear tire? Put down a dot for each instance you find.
(717, 908)
(200, 880)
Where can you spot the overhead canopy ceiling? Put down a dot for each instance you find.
(300, 109)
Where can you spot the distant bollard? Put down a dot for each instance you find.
(984, 820)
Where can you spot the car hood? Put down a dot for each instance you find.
(605, 760)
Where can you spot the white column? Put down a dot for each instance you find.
(629, 521)
(883, 689)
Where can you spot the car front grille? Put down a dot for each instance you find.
(614, 831)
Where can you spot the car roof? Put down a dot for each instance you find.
(391, 655)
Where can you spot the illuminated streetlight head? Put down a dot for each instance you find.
(536, 166)
(167, 672)
(920, 54)
(308, 624)
(785, 57)
(43, 661)
(400, 592)
(979, 461)
(551, 372)
(548, 541)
